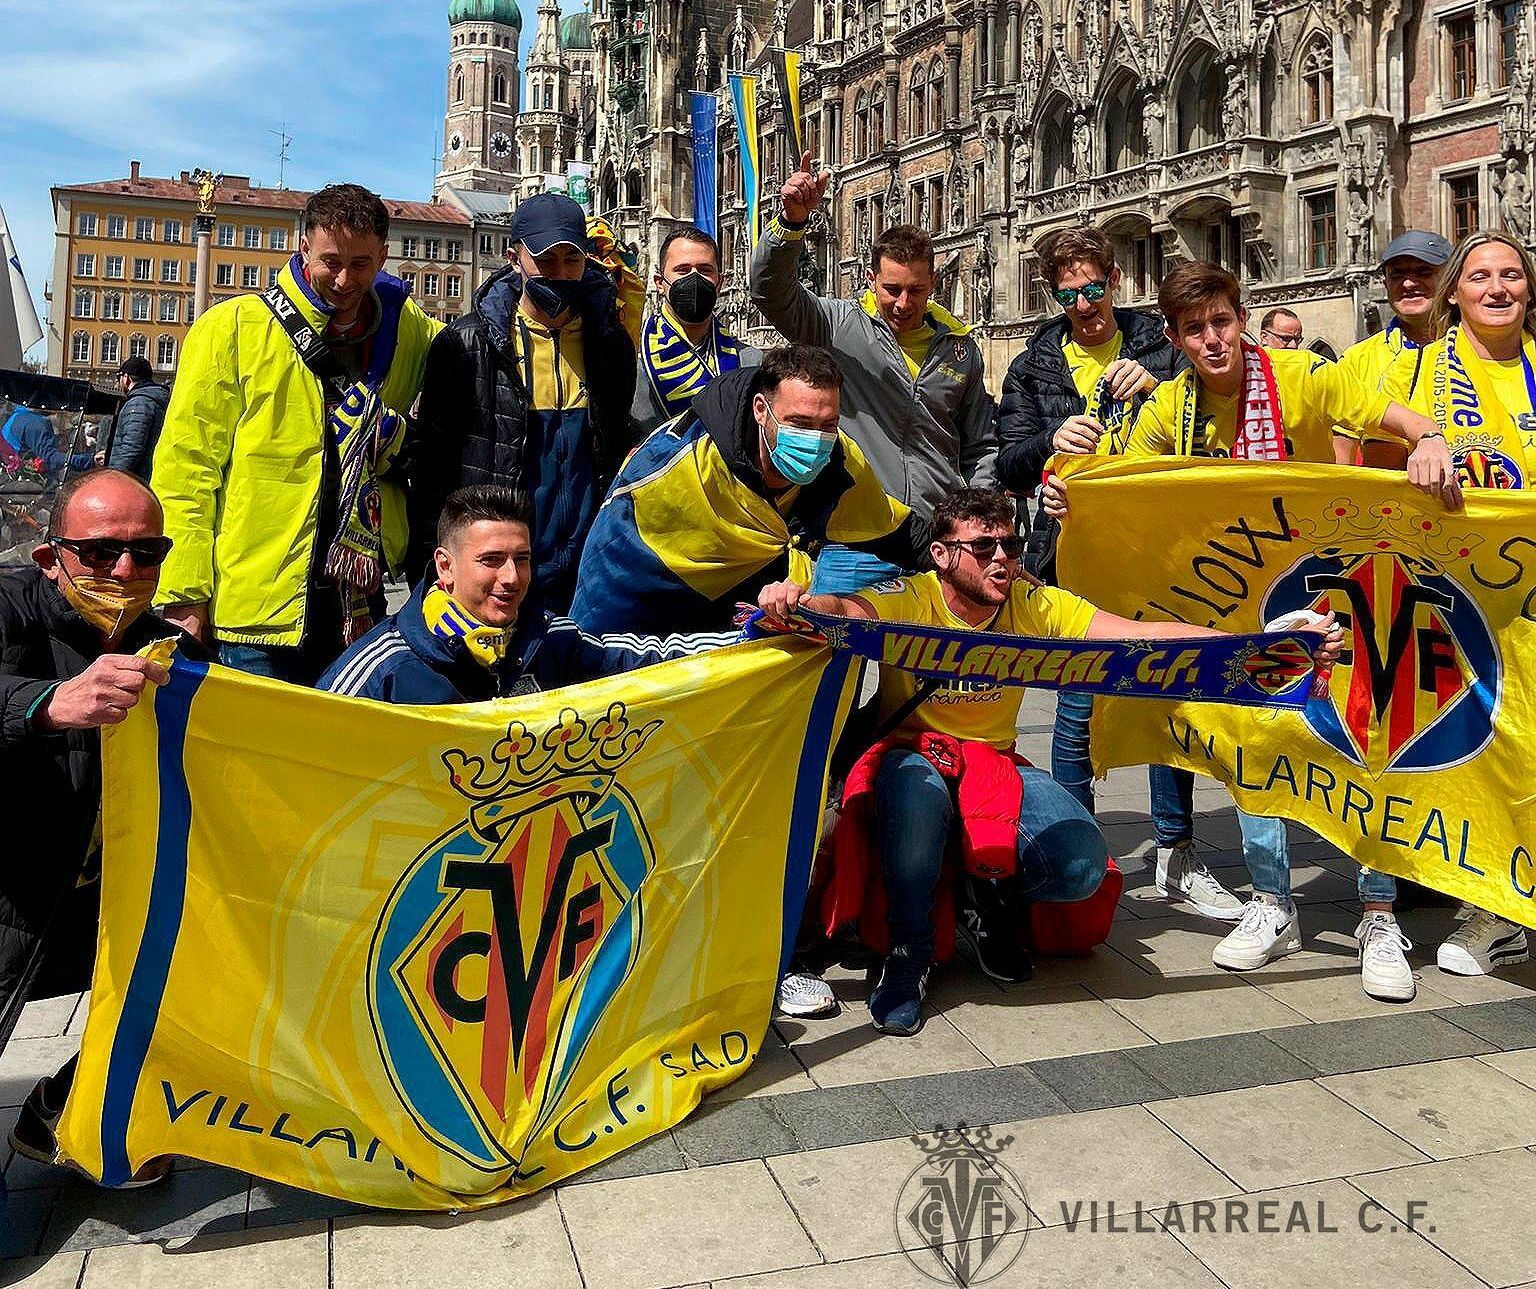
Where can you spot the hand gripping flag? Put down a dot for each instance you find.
(1419, 762)
(437, 957)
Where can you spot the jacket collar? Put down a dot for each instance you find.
(935, 315)
(448, 655)
(1140, 333)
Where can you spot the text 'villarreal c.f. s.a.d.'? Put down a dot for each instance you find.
(1421, 760)
(440, 957)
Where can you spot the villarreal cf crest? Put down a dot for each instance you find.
(501, 946)
(1418, 683)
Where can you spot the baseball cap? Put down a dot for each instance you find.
(549, 219)
(1427, 248)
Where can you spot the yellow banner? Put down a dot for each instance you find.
(437, 957)
(1421, 762)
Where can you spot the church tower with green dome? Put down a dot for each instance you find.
(480, 125)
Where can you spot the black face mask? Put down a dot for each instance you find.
(692, 297)
(553, 296)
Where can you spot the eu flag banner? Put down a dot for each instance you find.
(438, 957)
(704, 110)
(786, 71)
(744, 103)
(1419, 762)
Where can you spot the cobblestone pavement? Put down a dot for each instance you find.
(1384, 1137)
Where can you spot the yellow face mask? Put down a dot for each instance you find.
(107, 603)
(450, 620)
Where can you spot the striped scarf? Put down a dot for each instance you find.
(447, 619)
(1260, 428)
(676, 368)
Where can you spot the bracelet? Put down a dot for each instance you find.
(1432, 434)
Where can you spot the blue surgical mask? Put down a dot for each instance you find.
(799, 454)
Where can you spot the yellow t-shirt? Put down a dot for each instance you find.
(1372, 363)
(1314, 394)
(914, 346)
(973, 711)
(556, 361)
(1087, 364)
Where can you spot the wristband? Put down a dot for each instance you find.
(1431, 434)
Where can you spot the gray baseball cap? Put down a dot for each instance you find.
(1427, 248)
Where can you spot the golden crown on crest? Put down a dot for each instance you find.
(1345, 527)
(522, 758)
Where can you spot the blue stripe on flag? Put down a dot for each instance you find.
(809, 798)
(162, 922)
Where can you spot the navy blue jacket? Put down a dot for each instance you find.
(137, 428)
(401, 661)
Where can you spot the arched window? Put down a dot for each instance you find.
(609, 188)
(999, 44)
(111, 349)
(1201, 93)
(549, 97)
(138, 346)
(634, 189)
(1055, 136)
(458, 85)
(936, 112)
(165, 352)
(1125, 140)
(861, 126)
(1317, 81)
(1269, 75)
(876, 118)
(499, 88)
(80, 347)
(917, 99)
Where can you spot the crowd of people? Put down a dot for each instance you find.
(581, 476)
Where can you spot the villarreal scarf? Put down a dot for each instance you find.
(676, 368)
(1260, 428)
(1115, 415)
(447, 619)
(1492, 445)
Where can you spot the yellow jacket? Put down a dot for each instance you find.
(238, 465)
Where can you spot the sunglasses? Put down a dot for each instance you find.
(982, 547)
(103, 552)
(1093, 292)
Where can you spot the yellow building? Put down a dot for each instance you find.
(125, 263)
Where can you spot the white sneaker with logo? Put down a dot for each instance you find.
(1481, 945)
(1384, 971)
(1182, 879)
(804, 995)
(1266, 930)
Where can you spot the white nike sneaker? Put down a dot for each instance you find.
(1267, 930)
(804, 995)
(1182, 879)
(1481, 945)
(1384, 971)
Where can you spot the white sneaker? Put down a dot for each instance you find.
(1384, 971)
(1266, 930)
(805, 995)
(1481, 945)
(1183, 879)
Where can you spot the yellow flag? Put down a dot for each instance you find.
(1421, 762)
(436, 957)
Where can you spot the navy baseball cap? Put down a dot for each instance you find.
(1427, 248)
(547, 220)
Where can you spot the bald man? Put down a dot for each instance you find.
(70, 626)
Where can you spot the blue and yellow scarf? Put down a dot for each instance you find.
(676, 368)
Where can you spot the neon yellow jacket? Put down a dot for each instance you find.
(238, 466)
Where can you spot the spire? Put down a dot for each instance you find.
(546, 35)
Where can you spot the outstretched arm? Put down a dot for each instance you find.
(778, 600)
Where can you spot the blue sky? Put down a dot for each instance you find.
(91, 84)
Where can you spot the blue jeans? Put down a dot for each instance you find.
(1172, 791)
(1062, 855)
(841, 570)
(296, 665)
(1267, 852)
(1376, 888)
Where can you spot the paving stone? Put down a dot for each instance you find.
(1509, 1025)
(1056, 1257)
(1197, 1007)
(1457, 1210)
(202, 1200)
(1520, 1066)
(23, 1061)
(1205, 1065)
(846, 1049)
(697, 1225)
(1283, 1135)
(889, 1271)
(46, 1017)
(774, 1070)
(659, 1154)
(1445, 1108)
(275, 1204)
(973, 1097)
(1098, 1080)
(62, 1271)
(26, 1217)
(1035, 1023)
(839, 1116)
(1375, 1042)
(518, 1245)
(1335, 994)
(293, 1258)
(732, 1130)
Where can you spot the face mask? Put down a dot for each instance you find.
(798, 454)
(449, 620)
(692, 297)
(553, 296)
(106, 603)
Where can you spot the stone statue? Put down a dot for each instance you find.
(1515, 201)
(738, 45)
(893, 198)
(207, 184)
(1514, 129)
(1359, 227)
(924, 208)
(1023, 149)
(1082, 145)
(981, 277)
(1234, 109)
(1152, 113)
(701, 67)
(780, 21)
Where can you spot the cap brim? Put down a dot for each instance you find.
(537, 247)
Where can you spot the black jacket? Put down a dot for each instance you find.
(472, 423)
(137, 428)
(1038, 395)
(52, 782)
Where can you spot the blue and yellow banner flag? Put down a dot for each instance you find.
(704, 116)
(437, 957)
(744, 102)
(1420, 761)
(786, 71)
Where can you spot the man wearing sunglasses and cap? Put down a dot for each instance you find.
(70, 629)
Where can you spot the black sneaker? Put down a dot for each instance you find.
(896, 1005)
(986, 935)
(34, 1136)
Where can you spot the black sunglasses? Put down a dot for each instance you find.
(1093, 292)
(103, 552)
(982, 547)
